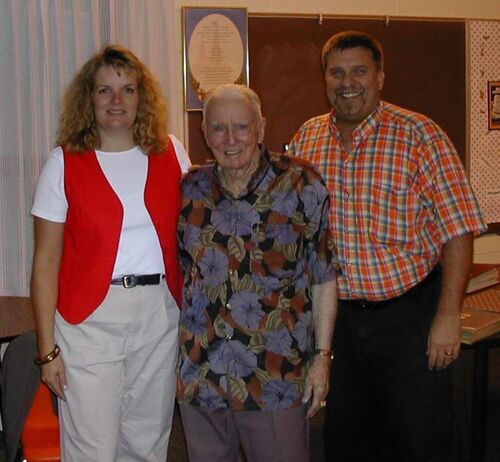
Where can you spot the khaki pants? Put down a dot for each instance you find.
(120, 368)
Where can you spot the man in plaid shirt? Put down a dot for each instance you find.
(402, 217)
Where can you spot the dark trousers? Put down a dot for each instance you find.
(384, 403)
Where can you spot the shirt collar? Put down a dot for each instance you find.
(255, 180)
(364, 128)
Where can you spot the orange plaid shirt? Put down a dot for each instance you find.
(395, 199)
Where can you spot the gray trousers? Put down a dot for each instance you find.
(216, 435)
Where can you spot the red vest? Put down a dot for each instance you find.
(93, 227)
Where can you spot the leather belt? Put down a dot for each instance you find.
(131, 280)
(368, 304)
(374, 305)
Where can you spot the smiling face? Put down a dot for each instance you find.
(115, 99)
(353, 84)
(233, 129)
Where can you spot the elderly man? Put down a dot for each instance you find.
(259, 293)
(400, 201)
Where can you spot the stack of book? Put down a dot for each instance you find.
(481, 308)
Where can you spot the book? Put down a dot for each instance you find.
(485, 279)
(487, 299)
(478, 324)
(481, 315)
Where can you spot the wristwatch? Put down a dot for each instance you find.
(326, 353)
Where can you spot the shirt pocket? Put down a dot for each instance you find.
(393, 215)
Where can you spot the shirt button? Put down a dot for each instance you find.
(231, 272)
(228, 337)
(347, 230)
(228, 306)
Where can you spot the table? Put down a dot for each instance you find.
(480, 351)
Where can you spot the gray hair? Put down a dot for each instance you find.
(232, 91)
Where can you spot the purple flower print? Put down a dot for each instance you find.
(213, 267)
(191, 236)
(279, 341)
(320, 269)
(277, 395)
(188, 371)
(303, 331)
(268, 283)
(208, 397)
(232, 358)
(285, 202)
(234, 218)
(246, 309)
(314, 196)
(196, 186)
(300, 276)
(282, 234)
(193, 317)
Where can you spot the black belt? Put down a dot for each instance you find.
(368, 304)
(374, 305)
(131, 280)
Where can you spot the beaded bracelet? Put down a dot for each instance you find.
(48, 357)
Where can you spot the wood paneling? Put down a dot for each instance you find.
(424, 66)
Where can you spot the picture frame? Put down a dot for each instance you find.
(215, 51)
(494, 105)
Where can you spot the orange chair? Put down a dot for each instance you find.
(40, 437)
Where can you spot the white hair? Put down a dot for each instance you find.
(229, 92)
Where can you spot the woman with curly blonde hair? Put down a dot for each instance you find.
(78, 126)
(106, 281)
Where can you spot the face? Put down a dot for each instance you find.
(353, 84)
(115, 98)
(232, 131)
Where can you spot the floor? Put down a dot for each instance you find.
(177, 450)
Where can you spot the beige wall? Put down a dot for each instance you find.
(486, 9)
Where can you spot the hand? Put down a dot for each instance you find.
(54, 377)
(443, 345)
(317, 384)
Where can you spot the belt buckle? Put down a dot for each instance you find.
(129, 281)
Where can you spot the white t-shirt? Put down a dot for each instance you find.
(139, 250)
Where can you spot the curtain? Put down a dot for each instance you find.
(42, 44)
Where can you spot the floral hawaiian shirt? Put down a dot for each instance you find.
(246, 329)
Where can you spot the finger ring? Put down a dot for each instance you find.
(448, 354)
(322, 403)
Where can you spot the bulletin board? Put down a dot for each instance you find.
(425, 68)
(484, 86)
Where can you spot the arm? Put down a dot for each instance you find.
(444, 335)
(44, 289)
(324, 301)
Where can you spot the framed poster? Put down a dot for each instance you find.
(215, 48)
(494, 105)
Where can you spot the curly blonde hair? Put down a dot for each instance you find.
(77, 127)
